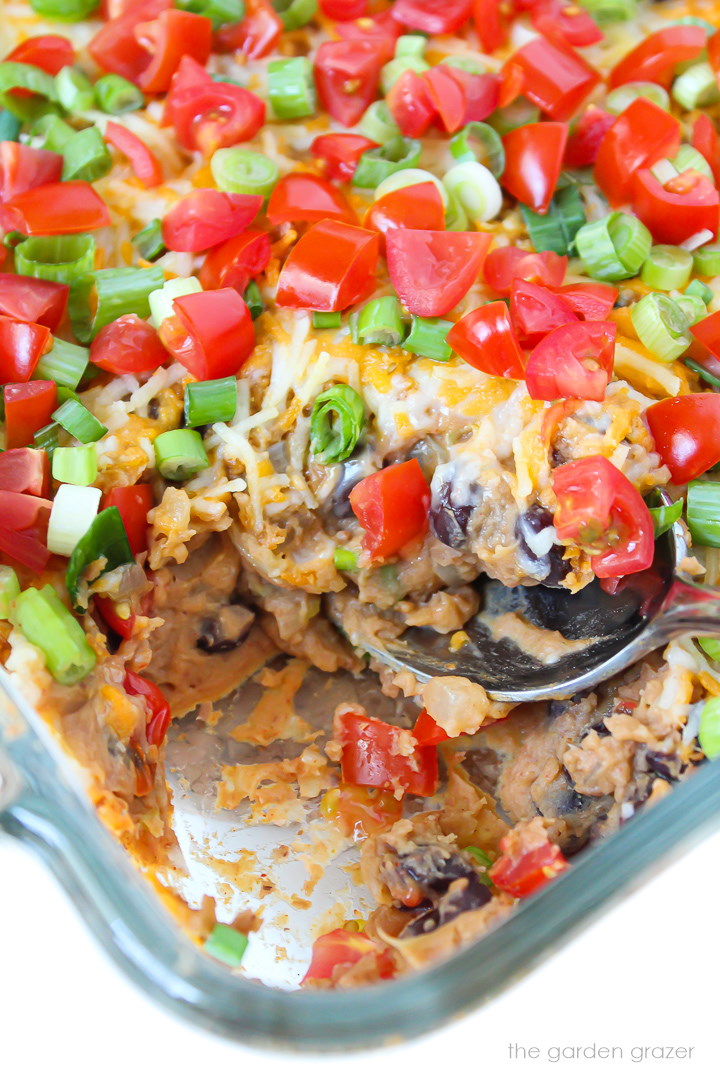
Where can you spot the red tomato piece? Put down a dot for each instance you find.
(533, 162)
(536, 311)
(485, 339)
(340, 152)
(482, 93)
(417, 207)
(686, 205)
(144, 164)
(381, 28)
(591, 301)
(256, 35)
(686, 431)
(21, 346)
(426, 732)
(585, 138)
(110, 612)
(24, 167)
(134, 504)
(347, 74)
(236, 262)
(127, 345)
(504, 264)
(392, 506)
(433, 16)
(344, 9)
(601, 512)
(706, 142)
(159, 718)
(557, 79)
(331, 267)
(207, 217)
(372, 756)
(707, 332)
(70, 207)
(47, 51)
(33, 300)
(410, 104)
(24, 536)
(565, 23)
(28, 407)
(303, 197)
(447, 96)
(116, 48)
(342, 948)
(212, 333)
(170, 37)
(524, 872)
(26, 470)
(359, 811)
(574, 361)
(642, 134)
(490, 25)
(207, 115)
(657, 56)
(512, 83)
(432, 271)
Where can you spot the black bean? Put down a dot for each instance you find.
(550, 568)
(434, 870)
(225, 630)
(352, 472)
(668, 766)
(153, 408)
(448, 520)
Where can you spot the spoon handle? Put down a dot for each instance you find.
(689, 609)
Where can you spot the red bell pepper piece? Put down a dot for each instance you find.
(207, 217)
(642, 134)
(33, 300)
(372, 755)
(686, 431)
(432, 271)
(684, 206)
(504, 264)
(331, 267)
(303, 197)
(524, 872)
(256, 35)
(658, 55)
(28, 407)
(433, 16)
(144, 164)
(134, 503)
(392, 506)
(573, 361)
(347, 74)
(236, 262)
(25, 470)
(21, 346)
(170, 37)
(426, 732)
(340, 152)
(706, 142)
(23, 532)
(584, 140)
(485, 339)
(159, 718)
(51, 209)
(51, 52)
(411, 105)
(24, 167)
(557, 79)
(207, 115)
(533, 162)
(212, 333)
(127, 345)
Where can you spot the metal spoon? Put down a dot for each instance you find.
(660, 604)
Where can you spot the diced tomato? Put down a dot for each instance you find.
(344, 9)
(331, 267)
(589, 301)
(392, 506)
(134, 503)
(70, 207)
(533, 162)
(207, 115)
(26, 470)
(426, 732)
(686, 431)
(432, 271)
(658, 55)
(256, 35)
(144, 164)
(340, 153)
(566, 23)
(116, 48)
(170, 37)
(706, 142)
(380, 28)
(585, 137)
(600, 511)
(490, 25)
(343, 949)
(481, 92)
(433, 16)
(410, 105)
(108, 609)
(47, 51)
(447, 95)
(536, 311)
(23, 529)
(707, 332)
(512, 83)
(303, 197)
(347, 74)
(359, 811)
(485, 339)
(372, 755)
(557, 79)
(127, 345)
(523, 873)
(684, 206)
(236, 262)
(207, 217)
(212, 333)
(28, 407)
(21, 346)
(417, 207)
(574, 361)
(642, 134)
(504, 264)
(25, 167)
(156, 704)
(33, 300)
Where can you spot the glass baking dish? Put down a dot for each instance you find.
(43, 804)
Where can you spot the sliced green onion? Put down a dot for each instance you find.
(105, 539)
(73, 511)
(116, 95)
(694, 20)
(16, 76)
(411, 45)
(246, 172)
(475, 189)
(75, 92)
(631, 239)
(65, 364)
(377, 164)
(345, 559)
(688, 157)
(455, 216)
(47, 438)
(697, 87)
(619, 99)
(210, 402)
(709, 731)
(427, 337)
(605, 11)
(513, 116)
(46, 623)
(86, 156)
(75, 465)
(220, 12)
(692, 308)
(9, 126)
(64, 10)
(490, 152)
(226, 944)
(180, 455)
(556, 230)
(253, 298)
(706, 376)
(664, 517)
(711, 646)
(667, 267)
(706, 260)
(701, 290)
(79, 422)
(291, 88)
(377, 123)
(326, 320)
(56, 258)
(64, 394)
(9, 590)
(380, 322)
(472, 64)
(661, 326)
(105, 295)
(396, 68)
(149, 241)
(614, 247)
(161, 300)
(483, 858)
(295, 13)
(336, 423)
(409, 178)
(55, 131)
(703, 512)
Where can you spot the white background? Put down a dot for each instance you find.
(645, 974)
